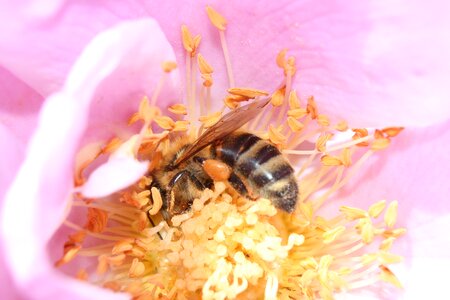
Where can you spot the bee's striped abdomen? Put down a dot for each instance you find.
(261, 165)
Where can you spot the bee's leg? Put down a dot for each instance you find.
(237, 184)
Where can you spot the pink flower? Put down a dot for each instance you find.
(374, 64)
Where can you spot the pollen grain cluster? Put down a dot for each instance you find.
(227, 246)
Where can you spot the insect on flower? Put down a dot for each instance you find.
(252, 166)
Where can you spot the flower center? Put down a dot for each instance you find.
(225, 245)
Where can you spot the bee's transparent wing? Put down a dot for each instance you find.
(226, 125)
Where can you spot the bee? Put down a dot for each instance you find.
(252, 166)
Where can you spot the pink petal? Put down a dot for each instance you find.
(365, 61)
(44, 182)
(113, 176)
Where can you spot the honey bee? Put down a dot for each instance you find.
(252, 166)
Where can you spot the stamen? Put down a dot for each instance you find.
(224, 245)
(220, 23)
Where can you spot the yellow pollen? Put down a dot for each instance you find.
(181, 126)
(216, 19)
(165, 122)
(322, 141)
(392, 131)
(353, 213)
(157, 201)
(137, 269)
(297, 113)
(203, 65)
(388, 276)
(210, 120)
(380, 144)
(178, 109)
(276, 136)
(97, 220)
(391, 214)
(323, 120)
(377, 208)
(69, 254)
(295, 125)
(247, 92)
(341, 126)
(328, 160)
(331, 235)
(278, 97)
(281, 58)
(190, 43)
(311, 108)
(169, 66)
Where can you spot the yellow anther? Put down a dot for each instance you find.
(97, 220)
(116, 260)
(178, 109)
(390, 216)
(247, 92)
(276, 136)
(203, 65)
(169, 66)
(367, 259)
(342, 126)
(387, 258)
(378, 134)
(328, 160)
(211, 119)
(311, 108)
(77, 237)
(278, 97)
(207, 80)
(102, 265)
(387, 244)
(69, 254)
(294, 124)
(387, 276)
(346, 157)
(392, 131)
(190, 43)
(157, 201)
(165, 122)
(380, 144)
(367, 230)
(111, 146)
(352, 213)
(294, 102)
(322, 141)
(146, 112)
(324, 265)
(297, 113)
(360, 133)
(330, 236)
(181, 126)
(397, 232)
(281, 58)
(121, 246)
(323, 120)
(216, 19)
(377, 208)
(137, 269)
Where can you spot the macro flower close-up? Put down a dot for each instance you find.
(224, 150)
